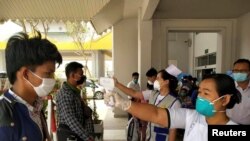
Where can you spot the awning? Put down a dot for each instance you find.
(102, 43)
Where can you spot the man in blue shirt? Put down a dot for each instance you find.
(30, 64)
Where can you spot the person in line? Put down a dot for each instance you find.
(165, 86)
(151, 75)
(74, 116)
(133, 84)
(30, 64)
(241, 74)
(217, 92)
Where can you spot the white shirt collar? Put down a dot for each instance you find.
(20, 100)
(237, 85)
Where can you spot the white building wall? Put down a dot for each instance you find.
(226, 27)
(125, 49)
(178, 50)
(144, 49)
(2, 61)
(125, 53)
(191, 54)
(205, 41)
(243, 36)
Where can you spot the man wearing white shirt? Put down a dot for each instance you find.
(135, 86)
(134, 83)
(241, 72)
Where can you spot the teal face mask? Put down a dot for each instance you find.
(239, 77)
(135, 81)
(205, 107)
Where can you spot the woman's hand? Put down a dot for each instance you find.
(115, 100)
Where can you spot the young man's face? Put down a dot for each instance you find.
(151, 79)
(135, 79)
(46, 70)
(78, 76)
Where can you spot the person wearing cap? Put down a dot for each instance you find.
(163, 97)
(217, 92)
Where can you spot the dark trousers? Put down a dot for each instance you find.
(65, 134)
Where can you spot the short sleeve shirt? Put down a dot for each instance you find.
(195, 125)
(240, 113)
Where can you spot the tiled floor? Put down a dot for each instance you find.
(114, 128)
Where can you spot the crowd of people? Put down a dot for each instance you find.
(219, 99)
(166, 105)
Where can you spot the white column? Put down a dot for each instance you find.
(2, 61)
(144, 48)
(98, 63)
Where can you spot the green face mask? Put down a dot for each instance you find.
(205, 107)
(135, 81)
(183, 94)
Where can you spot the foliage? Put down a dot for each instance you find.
(79, 32)
(95, 114)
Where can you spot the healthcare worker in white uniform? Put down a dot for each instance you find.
(217, 92)
(163, 96)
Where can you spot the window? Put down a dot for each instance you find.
(209, 59)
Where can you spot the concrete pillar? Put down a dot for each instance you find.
(144, 48)
(2, 61)
(98, 63)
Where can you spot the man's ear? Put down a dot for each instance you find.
(226, 99)
(72, 75)
(23, 72)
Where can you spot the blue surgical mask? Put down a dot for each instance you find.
(240, 77)
(205, 107)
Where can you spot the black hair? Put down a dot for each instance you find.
(226, 85)
(173, 82)
(135, 74)
(243, 61)
(72, 68)
(151, 72)
(30, 52)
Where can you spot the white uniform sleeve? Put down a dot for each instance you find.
(146, 94)
(177, 117)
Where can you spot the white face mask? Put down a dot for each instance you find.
(157, 85)
(150, 83)
(45, 88)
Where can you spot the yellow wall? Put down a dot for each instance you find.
(103, 43)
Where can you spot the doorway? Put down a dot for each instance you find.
(194, 52)
(226, 50)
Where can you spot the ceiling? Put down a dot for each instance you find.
(51, 9)
(201, 9)
(103, 14)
